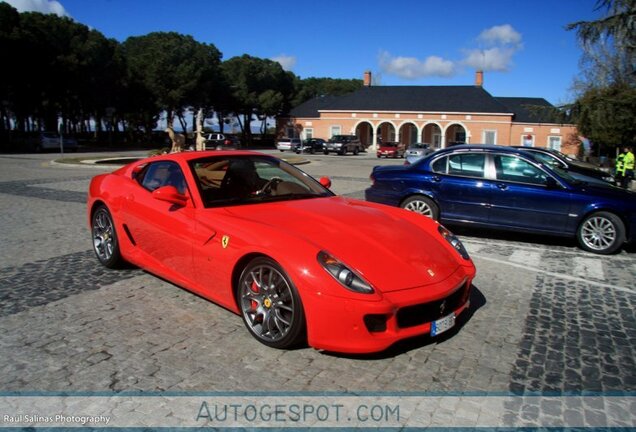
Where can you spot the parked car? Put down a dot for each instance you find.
(342, 144)
(218, 141)
(417, 151)
(51, 141)
(391, 149)
(508, 188)
(311, 145)
(268, 242)
(581, 170)
(288, 144)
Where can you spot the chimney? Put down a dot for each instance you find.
(479, 78)
(367, 79)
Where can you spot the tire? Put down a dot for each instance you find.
(602, 233)
(105, 241)
(270, 305)
(326, 152)
(342, 151)
(422, 205)
(356, 150)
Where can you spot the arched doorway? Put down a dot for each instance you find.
(385, 132)
(455, 134)
(432, 134)
(408, 134)
(364, 131)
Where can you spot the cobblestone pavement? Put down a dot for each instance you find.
(545, 317)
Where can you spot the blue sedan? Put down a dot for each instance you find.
(506, 188)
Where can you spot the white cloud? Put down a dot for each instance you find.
(413, 68)
(502, 34)
(503, 43)
(493, 59)
(43, 6)
(287, 62)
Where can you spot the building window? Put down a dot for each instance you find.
(309, 133)
(554, 143)
(335, 130)
(490, 137)
(527, 140)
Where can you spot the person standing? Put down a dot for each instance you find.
(628, 167)
(624, 167)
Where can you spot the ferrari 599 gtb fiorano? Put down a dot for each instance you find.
(299, 264)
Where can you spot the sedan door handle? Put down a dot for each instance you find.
(436, 178)
(502, 186)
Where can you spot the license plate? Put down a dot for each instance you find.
(442, 324)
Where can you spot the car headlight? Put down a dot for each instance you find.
(343, 274)
(454, 241)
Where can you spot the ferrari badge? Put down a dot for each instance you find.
(225, 241)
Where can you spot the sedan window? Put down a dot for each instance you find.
(549, 160)
(515, 169)
(467, 165)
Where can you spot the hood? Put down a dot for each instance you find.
(391, 252)
(606, 190)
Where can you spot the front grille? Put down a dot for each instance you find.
(411, 316)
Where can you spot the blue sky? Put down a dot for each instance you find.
(522, 46)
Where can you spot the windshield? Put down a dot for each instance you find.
(235, 180)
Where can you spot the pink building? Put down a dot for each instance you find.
(439, 115)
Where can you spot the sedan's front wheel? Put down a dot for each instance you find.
(270, 305)
(602, 233)
(422, 205)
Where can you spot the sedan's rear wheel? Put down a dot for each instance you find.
(270, 305)
(422, 205)
(105, 241)
(602, 233)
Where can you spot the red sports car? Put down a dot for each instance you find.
(267, 241)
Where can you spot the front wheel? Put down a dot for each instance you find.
(105, 241)
(422, 205)
(270, 305)
(601, 233)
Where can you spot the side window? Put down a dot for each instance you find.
(160, 174)
(550, 161)
(467, 165)
(439, 166)
(512, 168)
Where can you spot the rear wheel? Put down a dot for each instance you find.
(422, 205)
(270, 305)
(602, 233)
(105, 241)
(356, 151)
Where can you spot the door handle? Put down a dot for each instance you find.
(502, 186)
(436, 178)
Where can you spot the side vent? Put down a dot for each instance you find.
(129, 235)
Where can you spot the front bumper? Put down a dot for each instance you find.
(333, 147)
(357, 326)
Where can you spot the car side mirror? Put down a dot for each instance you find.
(551, 183)
(325, 181)
(170, 194)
